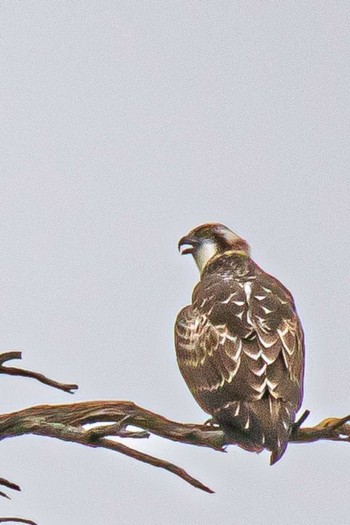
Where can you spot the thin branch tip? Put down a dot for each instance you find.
(21, 372)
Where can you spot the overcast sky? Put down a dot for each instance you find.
(124, 125)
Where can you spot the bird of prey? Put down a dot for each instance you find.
(240, 344)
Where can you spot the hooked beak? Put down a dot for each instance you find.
(188, 241)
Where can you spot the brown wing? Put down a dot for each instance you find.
(204, 361)
(279, 338)
(240, 350)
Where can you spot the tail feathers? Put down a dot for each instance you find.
(278, 452)
(258, 425)
(282, 419)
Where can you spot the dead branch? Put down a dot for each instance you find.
(17, 520)
(12, 371)
(9, 485)
(72, 422)
(95, 423)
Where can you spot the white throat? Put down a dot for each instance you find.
(203, 253)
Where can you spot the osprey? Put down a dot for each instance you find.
(240, 344)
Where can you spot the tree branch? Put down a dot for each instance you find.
(12, 371)
(17, 520)
(94, 423)
(9, 484)
(72, 422)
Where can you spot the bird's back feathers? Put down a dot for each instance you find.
(240, 350)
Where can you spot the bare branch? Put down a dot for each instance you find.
(9, 356)
(332, 429)
(70, 422)
(301, 420)
(9, 484)
(17, 520)
(12, 371)
(67, 422)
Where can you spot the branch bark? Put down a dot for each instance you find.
(96, 424)
(71, 422)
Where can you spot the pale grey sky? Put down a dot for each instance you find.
(124, 124)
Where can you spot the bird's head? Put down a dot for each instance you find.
(208, 240)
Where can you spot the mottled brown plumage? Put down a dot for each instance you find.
(240, 343)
